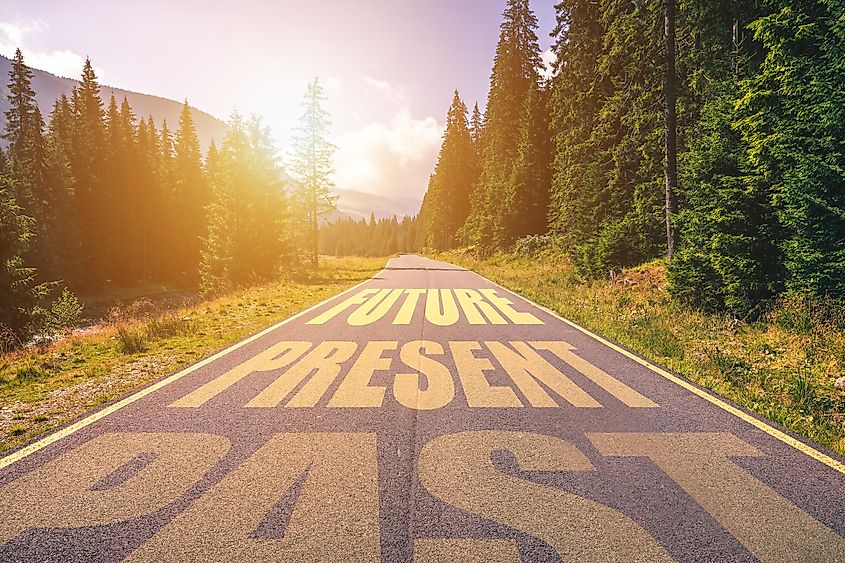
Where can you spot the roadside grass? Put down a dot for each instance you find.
(782, 367)
(44, 388)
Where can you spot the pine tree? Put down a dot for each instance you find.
(18, 291)
(169, 213)
(515, 74)
(528, 198)
(89, 168)
(153, 209)
(21, 114)
(218, 253)
(249, 212)
(792, 117)
(63, 239)
(447, 204)
(607, 205)
(476, 130)
(728, 256)
(312, 167)
(38, 191)
(191, 195)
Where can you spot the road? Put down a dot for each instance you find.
(427, 415)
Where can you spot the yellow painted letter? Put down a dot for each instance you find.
(440, 387)
(355, 389)
(457, 469)
(275, 357)
(324, 360)
(478, 391)
(74, 490)
(335, 517)
(357, 299)
(771, 527)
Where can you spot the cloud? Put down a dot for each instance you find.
(391, 158)
(62, 62)
(394, 94)
(549, 59)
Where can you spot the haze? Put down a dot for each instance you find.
(390, 67)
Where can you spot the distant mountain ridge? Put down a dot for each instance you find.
(360, 205)
(49, 88)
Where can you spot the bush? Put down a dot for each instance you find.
(131, 341)
(532, 246)
(617, 245)
(64, 314)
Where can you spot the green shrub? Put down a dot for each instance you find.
(131, 341)
(533, 245)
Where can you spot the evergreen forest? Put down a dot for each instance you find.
(709, 133)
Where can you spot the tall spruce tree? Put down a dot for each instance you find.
(447, 204)
(18, 290)
(95, 202)
(515, 74)
(191, 195)
(792, 117)
(311, 166)
(169, 213)
(528, 198)
(476, 130)
(607, 193)
(153, 208)
(63, 231)
(20, 118)
(728, 256)
(28, 161)
(248, 216)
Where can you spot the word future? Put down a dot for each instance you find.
(443, 307)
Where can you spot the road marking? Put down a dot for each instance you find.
(315, 368)
(456, 469)
(442, 307)
(73, 490)
(335, 516)
(91, 419)
(767, 524)
(714, 400)
(707, 396)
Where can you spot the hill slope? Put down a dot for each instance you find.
(49, 88)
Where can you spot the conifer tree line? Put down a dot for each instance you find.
(382, 237)
(94, 196)
(747, 97)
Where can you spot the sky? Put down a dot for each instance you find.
(389, 67)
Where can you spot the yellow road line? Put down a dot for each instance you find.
(707, 396)
(91, 419)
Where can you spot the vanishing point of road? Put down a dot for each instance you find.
(424, 415)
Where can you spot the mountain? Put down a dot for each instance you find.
(49, 88)
(357, 205)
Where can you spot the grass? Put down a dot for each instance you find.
(782, 367)
(44, 388)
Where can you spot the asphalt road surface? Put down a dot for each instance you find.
(425, 415)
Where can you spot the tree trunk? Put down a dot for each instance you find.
(671, 132)
(314, 226)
